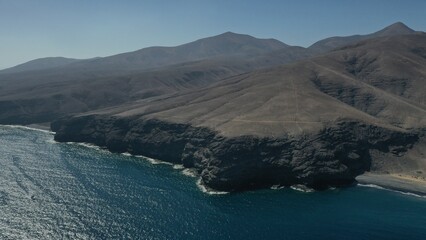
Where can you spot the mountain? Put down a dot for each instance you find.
(318, 122)
(227, 45)
(43, 95)
(36, 98)
(40, 64)
(329, 44)
(223, 45)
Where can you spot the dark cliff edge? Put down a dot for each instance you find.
(332, 157)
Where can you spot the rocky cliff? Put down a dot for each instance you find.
(332, 157)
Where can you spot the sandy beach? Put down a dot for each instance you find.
(398, 182)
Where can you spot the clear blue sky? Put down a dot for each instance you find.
(32, 29)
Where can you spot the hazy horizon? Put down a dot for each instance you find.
(83, 29)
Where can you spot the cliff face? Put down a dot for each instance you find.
(332, 157)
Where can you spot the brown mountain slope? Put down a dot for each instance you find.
(42, 95)
(42, 90)
(36, 98)
(380, 81)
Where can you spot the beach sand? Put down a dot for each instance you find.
(399, 182)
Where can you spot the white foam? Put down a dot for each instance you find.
(189, 172)
(29, 128)
(410, 194)
(88, 145)
(392, 190)
(206, 190)
(153, 161)
(178, 166)
(277, 187)
(371, 186)
(302, 188)
(126, 154)
(51, 141)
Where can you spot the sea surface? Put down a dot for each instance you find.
(54, 190)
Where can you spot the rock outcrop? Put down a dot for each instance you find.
(332, 157)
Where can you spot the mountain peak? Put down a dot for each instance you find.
(398, 25)
(328, 44)
(397, 28)
(232, 35)
(230, 41)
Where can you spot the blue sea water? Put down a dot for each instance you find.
(54, 190)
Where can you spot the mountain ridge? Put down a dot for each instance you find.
(331, 43)
(318, 47)
(226, 44)
(40, 64)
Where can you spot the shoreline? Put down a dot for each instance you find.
(34, 127)
(403, 183)
(397, 182)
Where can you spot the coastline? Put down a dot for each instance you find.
(34, 127)
(398, 182)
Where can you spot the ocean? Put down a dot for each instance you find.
(52, 190)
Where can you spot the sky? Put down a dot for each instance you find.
(31, 29)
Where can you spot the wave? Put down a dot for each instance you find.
(51, 141)
(302, 188)
(178, 166)
(88, 145)
(127, 154)
(410, 194)
(392, 190)
(372, 186)
(29, 128)
(152, 160)
(207, 190)
(277, 187)
(189, 172)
